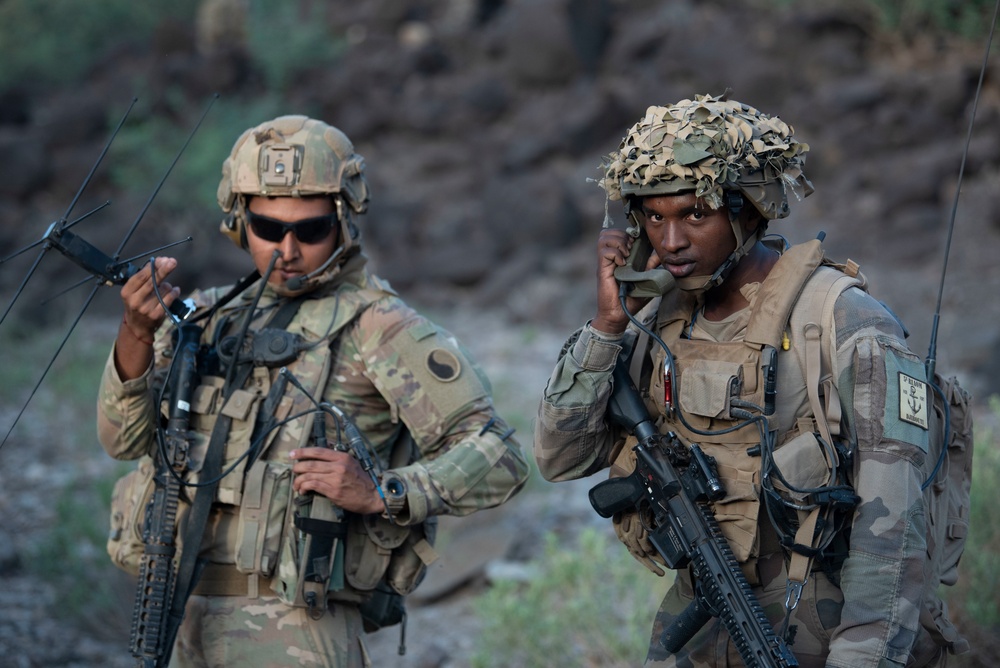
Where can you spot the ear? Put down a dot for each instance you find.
(234, 224)
(752, 221)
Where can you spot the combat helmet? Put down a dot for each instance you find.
(723, 151)
(293, 156)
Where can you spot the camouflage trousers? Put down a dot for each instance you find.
(810, 626)
(231, 631)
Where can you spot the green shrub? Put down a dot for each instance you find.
(66, 396)
(71, 557)
(967, 18)
(979, 578)
(289, 38)
(56, 41)
(588, 604)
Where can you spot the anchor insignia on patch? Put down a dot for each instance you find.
(913, 401)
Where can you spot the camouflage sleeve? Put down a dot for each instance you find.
(572, 439)
(882, 578)
(469, 459)
(125, 413)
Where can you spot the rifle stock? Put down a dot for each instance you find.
(685, 532)
(155, 588)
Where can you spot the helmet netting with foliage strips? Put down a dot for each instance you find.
(709, 145)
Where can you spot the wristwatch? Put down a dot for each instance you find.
(395, 490)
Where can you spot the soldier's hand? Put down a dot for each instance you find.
(336, 475)
(143, 316)
(143, 312)
(614, 246)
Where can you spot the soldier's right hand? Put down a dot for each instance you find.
(613, 249)
(143, 312)
(143, 316)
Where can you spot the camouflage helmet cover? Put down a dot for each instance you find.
(290, 156)
(709, 145)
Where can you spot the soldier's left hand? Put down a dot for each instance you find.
(336, 475)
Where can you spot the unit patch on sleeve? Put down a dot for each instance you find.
(443, 365)
(913, 400)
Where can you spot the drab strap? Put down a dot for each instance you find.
(827, 413)
(780, 291)
(814, 356)
(800, 564)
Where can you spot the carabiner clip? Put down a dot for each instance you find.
(793, 593)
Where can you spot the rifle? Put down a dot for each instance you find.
(677, 484)
(156, 586)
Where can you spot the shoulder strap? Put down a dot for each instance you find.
(780, 292)
(819, 332)
(813, 315)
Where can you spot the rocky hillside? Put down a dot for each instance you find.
(481, 122)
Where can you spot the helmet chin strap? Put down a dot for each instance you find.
(699, 285)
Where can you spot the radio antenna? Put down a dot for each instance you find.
(931, 361)
(109, 270)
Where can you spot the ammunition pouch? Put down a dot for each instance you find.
(311, 551)
(407, 565)
(132, 493)
(384, 607)
(265, 500)
(379, 551)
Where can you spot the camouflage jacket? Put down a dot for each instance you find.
(389, 368)
(882, 578)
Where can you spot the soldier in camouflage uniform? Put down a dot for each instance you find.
(292, 188)
(700, 181)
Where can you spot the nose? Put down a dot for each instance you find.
(674, 238)
(289, 246)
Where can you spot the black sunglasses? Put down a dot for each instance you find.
(307, 230)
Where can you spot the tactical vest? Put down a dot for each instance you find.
(258, 523)
(718, 385)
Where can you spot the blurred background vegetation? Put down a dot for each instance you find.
(46, 45)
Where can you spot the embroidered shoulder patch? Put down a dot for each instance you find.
(913, 401)
(443, 365)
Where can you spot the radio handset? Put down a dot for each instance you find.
(643, 283)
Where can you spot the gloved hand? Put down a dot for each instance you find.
(628, 525)
(630, 530)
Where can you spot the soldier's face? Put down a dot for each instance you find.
(304, 231)
(690, 238)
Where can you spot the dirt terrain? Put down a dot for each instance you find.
(481, 123)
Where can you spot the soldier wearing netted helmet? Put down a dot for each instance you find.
(349, 422)
(714, 320)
